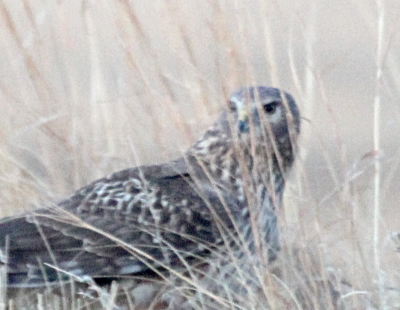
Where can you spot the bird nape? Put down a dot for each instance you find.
(219, 197)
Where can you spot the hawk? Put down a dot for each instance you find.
(221, 194)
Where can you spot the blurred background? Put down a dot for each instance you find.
(91, 87)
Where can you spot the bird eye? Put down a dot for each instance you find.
(270, 108)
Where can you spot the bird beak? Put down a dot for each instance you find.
(243, 117)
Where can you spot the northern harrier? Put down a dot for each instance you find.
(220, 194)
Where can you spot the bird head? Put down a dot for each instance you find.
(264, 112)
(263, 122)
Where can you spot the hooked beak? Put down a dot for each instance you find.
(243, 118)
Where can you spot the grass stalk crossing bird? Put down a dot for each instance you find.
(222, 194)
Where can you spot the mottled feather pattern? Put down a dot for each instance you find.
(151, 218)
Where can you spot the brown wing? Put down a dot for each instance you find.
(134, 221)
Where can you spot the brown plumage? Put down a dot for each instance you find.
(147, 219)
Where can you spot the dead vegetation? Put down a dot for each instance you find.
(87, 89)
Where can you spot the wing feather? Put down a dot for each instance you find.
(156, 210)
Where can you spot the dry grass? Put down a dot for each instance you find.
(87, 88)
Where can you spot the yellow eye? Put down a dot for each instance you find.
(270, 108)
